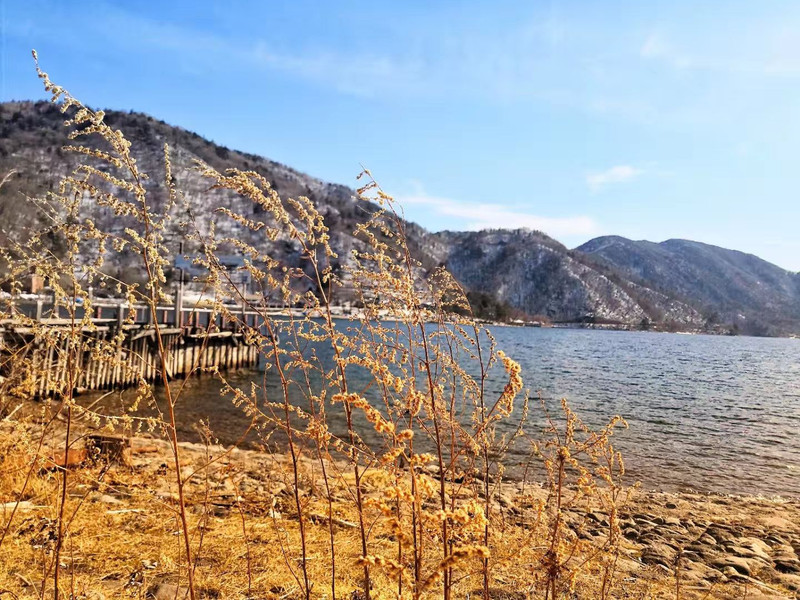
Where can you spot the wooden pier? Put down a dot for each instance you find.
(99, 358)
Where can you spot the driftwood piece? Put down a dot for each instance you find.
(71, 459)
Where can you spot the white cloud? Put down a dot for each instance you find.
(772, 53)
(357, 75)
(618, 174)
(475, 217)
(482, 64)
(656, 47)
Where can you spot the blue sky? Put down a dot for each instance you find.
(651, 120)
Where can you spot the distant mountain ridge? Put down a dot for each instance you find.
(676, 284)
(725, 284)
(535, 273)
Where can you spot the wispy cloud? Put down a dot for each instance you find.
(656, 47)
(617, 174)
(560, 58)
(478, 216)
(365, 75)
(517, 65)
(773, 53)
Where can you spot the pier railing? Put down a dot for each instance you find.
(118, 346)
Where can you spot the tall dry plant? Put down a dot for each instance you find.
(397, 405)
(110, 179)
(584, 474)
(418, 418)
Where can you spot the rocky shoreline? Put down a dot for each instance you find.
(714, 539)
(706, 545)
(707, 540)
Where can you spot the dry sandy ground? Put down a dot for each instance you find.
(124, 539)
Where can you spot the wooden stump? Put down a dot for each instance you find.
(113, 449)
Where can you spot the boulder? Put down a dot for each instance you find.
(167, 591)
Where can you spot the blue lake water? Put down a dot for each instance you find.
(706, 413)
(709, 413)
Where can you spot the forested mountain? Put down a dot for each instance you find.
(676, 284)
(31, 140)
(531, 271)
(727, 285)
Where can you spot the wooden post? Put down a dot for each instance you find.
(179, 295)
(244, 297)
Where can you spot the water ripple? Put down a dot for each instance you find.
(706, 412)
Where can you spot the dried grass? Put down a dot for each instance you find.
(409, 501)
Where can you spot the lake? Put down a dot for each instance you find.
(709, 413)
(706, 413)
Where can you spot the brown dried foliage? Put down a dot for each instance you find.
(406, 498)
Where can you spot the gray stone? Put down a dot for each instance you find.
(701, 550)
(659, 553)
(739, 564)
(599, 518)
(697, 571)
(108, 499)
(789, 581)
(167, 591)
(787, 563)
(707, 540)
(673, 521)
(631, 533)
